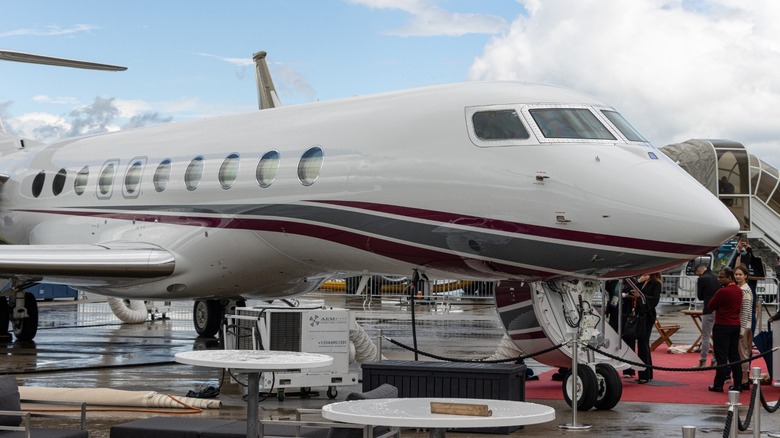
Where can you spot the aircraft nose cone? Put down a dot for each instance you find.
(671, 206)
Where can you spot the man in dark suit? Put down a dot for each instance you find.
(706, 286)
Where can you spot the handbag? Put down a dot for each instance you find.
(634, 326)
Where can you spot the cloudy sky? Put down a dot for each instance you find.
(676, 69)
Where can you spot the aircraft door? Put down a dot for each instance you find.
(734, 181)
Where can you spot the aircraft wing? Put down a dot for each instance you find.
(86, 264)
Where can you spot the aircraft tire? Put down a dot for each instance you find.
(207, 317)
(610, 387)
(25, 329)
(586, 388)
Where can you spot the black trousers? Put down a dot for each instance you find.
(725, 339)
(641, 345)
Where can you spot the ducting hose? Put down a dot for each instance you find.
(115, 397)
(507, 349)
(129, 311)
(365, 350)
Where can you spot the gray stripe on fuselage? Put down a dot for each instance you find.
(469, 241)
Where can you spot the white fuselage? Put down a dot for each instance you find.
(403, 185)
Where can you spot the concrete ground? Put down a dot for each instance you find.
(81, 345)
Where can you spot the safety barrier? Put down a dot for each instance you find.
(682, 289)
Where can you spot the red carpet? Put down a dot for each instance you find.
(688, 387)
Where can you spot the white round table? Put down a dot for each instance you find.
(253, 362)
(416, 412)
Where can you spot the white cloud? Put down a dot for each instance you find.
(59, 100)
(285, 77)
(50, 30)
(238, 62)
(42, 127)
(676, 69)
(427, 19)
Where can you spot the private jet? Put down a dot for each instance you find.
(545, 190)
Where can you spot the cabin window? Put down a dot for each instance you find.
(228, 172)
(574, 123)
(162, 175)
(310, 166)
(59, 182)
(106, 180)
(37, 185)
(80, 183)
(133, 178)
(623, 126)
(267, 169)
(194, 173)
(499, 125)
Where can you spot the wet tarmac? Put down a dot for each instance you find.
(80, 344)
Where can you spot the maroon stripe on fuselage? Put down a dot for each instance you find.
(536, 334)
(518, 228)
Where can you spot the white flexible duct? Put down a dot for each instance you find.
(365, 350)
(507, 349)
(116, 397)
(129, 311)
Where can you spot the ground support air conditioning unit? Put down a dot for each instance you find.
(304, 329)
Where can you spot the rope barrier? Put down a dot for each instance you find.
(655, 367)
(749, 416)
(729, 417)
(451, 359)
(727, 426)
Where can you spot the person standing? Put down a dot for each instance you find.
(744, 256)
(706, 286)
(650, 286)
(745, 319)
(727, 304)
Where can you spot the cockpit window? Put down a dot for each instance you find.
(574, 123)
(623, 126)
(499, 125)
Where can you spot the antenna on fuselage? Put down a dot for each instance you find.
(266, 92)
(12, 55)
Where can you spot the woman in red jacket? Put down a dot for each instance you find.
(726, 304)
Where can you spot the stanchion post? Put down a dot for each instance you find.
(755, 374)
(574, 378)
(734, 408)
(689, 431)
(378, 345)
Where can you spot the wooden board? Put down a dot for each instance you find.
(460, 409)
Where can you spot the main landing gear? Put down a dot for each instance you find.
(207, 315)
(19, 308)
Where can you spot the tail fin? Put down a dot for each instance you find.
(266, 92)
